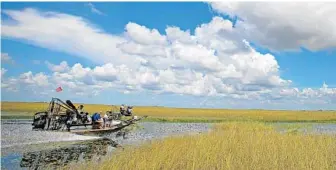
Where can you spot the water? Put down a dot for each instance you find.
(325, 129)
(11, 161)
(21, 133)
(156, 130)
(310, 128)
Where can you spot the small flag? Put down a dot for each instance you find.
(59, 89)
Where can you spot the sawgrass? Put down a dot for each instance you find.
(229, 146)
(164, 114)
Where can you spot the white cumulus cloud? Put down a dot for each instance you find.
(144, 35)
(39, 79)
(285, 25)
(63, 66)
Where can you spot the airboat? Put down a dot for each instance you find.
(64, 116)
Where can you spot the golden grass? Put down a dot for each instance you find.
(22, 108)
(229, 146)
(31, 107)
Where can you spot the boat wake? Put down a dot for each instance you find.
(21, 134)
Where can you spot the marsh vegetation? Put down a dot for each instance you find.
(165, 114)
(232, 145)
(239, 139)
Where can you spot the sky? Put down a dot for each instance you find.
(236, 55)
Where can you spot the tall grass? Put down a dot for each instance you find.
(187, 115)
(229, 146)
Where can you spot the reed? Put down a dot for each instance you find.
(228, 146)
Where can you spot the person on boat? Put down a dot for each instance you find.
(129, 111)
(81, 114)
(105, 118)
(88, 118)
(95, 117)
(97, 121)
(80, 109)
(122, 109)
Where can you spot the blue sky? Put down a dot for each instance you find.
(117, 53)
